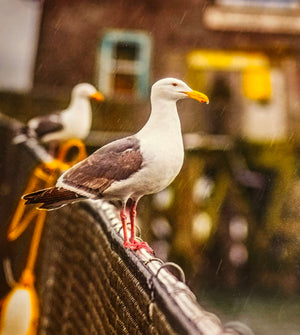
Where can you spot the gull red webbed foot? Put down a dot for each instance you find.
(137, 245)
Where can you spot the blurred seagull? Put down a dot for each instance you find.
(72, 122)
(127, 169)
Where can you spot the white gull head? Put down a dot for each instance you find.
(173, 89)
(86, 91)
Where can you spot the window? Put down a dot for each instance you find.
(124, 64)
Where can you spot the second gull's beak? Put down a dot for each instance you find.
(97, 96)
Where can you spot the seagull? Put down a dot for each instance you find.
(129, 168)
(72, 122)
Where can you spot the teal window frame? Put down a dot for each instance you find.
(139, 67)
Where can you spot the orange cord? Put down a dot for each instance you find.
(20, 221)
(44, 175)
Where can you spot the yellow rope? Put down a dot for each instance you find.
(63, 152)
(43, 176)
(23, 215)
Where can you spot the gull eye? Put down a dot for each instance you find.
(174, 84)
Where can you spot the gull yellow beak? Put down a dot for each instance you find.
(197, 96)
(97, 96)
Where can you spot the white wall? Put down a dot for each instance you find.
(19, 33)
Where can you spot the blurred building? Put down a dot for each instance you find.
(246, 50)
(233, 193)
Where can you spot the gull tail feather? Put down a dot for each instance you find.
(52, 198)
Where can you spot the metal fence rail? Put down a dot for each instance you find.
(88, 283)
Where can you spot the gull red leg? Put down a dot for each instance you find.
(132, 222)
(134, 244)
(124, 225)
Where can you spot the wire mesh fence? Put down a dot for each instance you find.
(90, 284)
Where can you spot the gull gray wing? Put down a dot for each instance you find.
(114, 162)
(43, 125)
